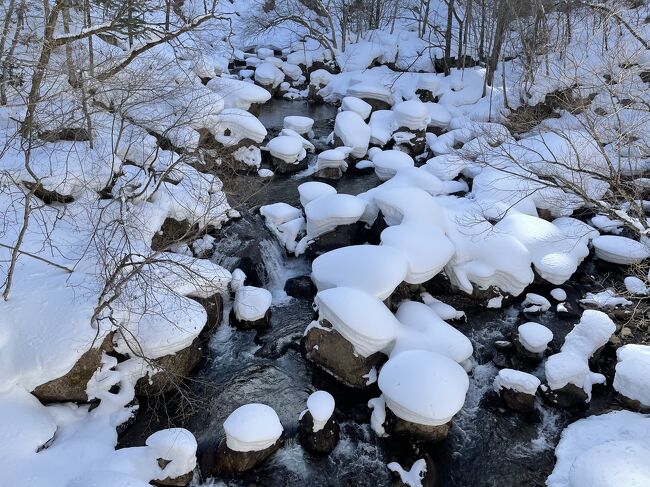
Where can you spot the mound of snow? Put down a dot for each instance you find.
(302, 125)
(423, 387)
(251, 303)
(314, 189)
(252, 427)
(517, 381)
(278, 213)
(372, 91)
(605, 299)
(353, 132)
(425, 330)
(326, 213)
(353, 104)
(635, 286)
(237, 93)
(321, 406)
(267, 74)
(412, 114)
(233, 125)
(360, 318)
(333, 158)
(534, 303)
(620, 250)
(632, 378)
(388, 162)
(286, 148)
(603, 451)
(377, 270)
(534, 337)
(426, 247)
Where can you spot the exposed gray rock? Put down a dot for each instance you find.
(415, 431)
(518, 401)
(568, 397)
(224, 462)
(300, 287)
(260, 324)
(331, 352)
(322, 441)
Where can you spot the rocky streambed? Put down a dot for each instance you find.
(487, 444)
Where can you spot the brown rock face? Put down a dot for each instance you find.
(334, 354)
(518, 401)
(322, 441)
(568, 397)
(225, 462)
(72, 386)
(415, 431)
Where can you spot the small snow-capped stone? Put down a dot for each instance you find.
(279, 213)
(268, 74)
(357, 105)
(412, 114)
(302, 125)
(534, 337)
(558, 294)
(321, 406)
(534, 303)
(324, 214)
(251, 303)
(353, 132)
(252, 427)
(288, 149)
(517, 381)
(635, 286)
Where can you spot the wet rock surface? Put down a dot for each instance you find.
(322, 441)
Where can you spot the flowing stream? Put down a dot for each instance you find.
(487, 445)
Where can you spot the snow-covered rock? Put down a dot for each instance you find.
(302, 125)
(252, 307)
(353, 104)
(317, 430)
(313, 189)
(605, 299)
(426, 247)
(252, 427)
(411, 114)
(238, 94)
(353, 132)
(326, 213)
(423, 387)
(233, 125)
(620, 250)
(632, 379)
(534, 303)
(517, 381)
(635, 286)
(534, 337)
(267, 74)
(286, 148)
(376, 270)
(360, 318)
(388, 162)
(321, 406)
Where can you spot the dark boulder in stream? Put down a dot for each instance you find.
(224, 462)
(322, 441)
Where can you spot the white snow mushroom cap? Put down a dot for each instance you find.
(312, 190)
(353, 132)
(252, 303)
(360, 318)
(426, 247)
(287, 148)
(326, 213)
(252, 427)
(388, 162)
(534, 337)
(333, 158)
(357, 105)
(620, 250)
(517, 381)
(412, 114)
(425, 330)
(632, 378)
(377, 270)
(321, 406)
(611, 464)
(178, 446)
(423, 387)
(300, 124)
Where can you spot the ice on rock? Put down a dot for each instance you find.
(412, 114)
(632, 379)
(425, 330)
(605, 299)
(360, 318)
(335, 158)
(252, 427)
(326, 213)
(301, 125)
(353, 132)
(534, 303)
(388, 162)
(517, 381)
(534, 337)
(238, 94)
(357, 105)
(233, 125)
(620, 250)
(286, 148)
(426, 247)
(312, 190)
(268, 74)
(635, 286)
(377, 270)
(423, 387)
(321, 406)
(555, 255)
(251, 303)
(558, 294)
(607, 450)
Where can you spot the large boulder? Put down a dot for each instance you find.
(328, 350)
(72, 386)
(225, 462)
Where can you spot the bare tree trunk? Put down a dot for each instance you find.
(448, 35)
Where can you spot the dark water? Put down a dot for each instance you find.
(487, 446)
